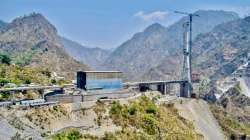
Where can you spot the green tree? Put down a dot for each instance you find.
(5, 58)
(204, 86)
(74, 135)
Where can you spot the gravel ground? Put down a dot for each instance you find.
(198, 112)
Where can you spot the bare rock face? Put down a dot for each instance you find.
(222, 51)
(32, 40)
(236, 104)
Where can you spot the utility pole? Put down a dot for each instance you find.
(187, 51)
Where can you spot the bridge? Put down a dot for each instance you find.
(40, 89)
(186, 74)
(15, 89)
(161, 86)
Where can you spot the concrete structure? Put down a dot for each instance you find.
(186, 69)
(6, 103)
(29, 88)
(109, 95)
(32, 102)
(63, 98)
(42, 90)
(94, 80)
(187, 52)
(161, 86)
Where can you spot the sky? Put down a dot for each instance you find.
(108, 23)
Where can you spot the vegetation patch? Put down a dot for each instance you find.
(71, 134)
(229, 124)
(143, 119)
(24, 58)
(43, 117)
(99, 109)
(23, 75)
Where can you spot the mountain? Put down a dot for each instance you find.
(94, 57)
(138, 53)
(32, 40)
(221, 51)
(141, 56)
(2, 23)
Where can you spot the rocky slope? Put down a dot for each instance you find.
(219, 52)
(222, 51)
(148, 49)
(198, 111)
(94, 57)
(32, 40)
(232, 111)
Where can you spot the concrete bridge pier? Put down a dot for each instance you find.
(161, 88)
(184, 90)
(165, 89)
(143, 87)
(41, 92)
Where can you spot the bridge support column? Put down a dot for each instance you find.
(143, 88)
(165, 89)
(162, 88)
(41, 92)
(184, 90)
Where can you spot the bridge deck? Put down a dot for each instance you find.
(60, 87)
(155, 82)
(30, 88)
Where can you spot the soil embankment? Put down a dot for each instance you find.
(199, 113)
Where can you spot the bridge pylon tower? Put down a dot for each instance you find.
(186, 67)
(187, 52)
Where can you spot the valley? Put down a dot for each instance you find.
(55, 88)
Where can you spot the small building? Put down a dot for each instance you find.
(99, 80)
(195, 77)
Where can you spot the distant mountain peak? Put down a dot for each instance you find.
(2, 24)
(92, 56)
(33, 19)
(247, 19)
(30, 16)
(157, 44)
(32, 40)
(155, 27)
(216, 12)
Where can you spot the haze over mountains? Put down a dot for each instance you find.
(142, 55)
(94, 57)
(2, 23)
(154, 54)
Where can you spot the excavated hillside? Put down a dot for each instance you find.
(138, 118)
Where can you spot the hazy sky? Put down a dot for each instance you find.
(108, 23)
